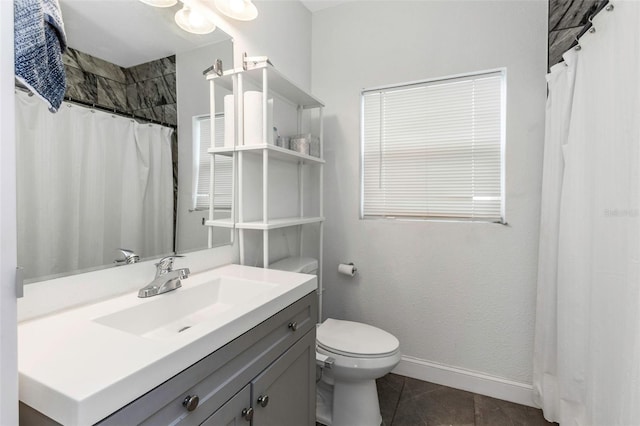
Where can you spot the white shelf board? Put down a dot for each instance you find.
(221, 150)
(221, 223)
(275, 152)
(280, 153)
(279, 223)
(277, 83)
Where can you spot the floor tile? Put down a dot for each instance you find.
(495, 412)
(427, 404)
(389, 390)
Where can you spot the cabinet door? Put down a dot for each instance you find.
(232, 413)
(285, 394)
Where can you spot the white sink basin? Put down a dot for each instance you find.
(167, 314)
(80, 365)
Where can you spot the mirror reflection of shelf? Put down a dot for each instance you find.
(279, 223)
(275, 152)
(278, 85)
(221, 223)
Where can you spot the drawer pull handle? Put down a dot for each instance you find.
(247, 414)
(293, 326)
(263, 400)
(191, 402)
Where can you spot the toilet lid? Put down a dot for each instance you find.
(354, 338)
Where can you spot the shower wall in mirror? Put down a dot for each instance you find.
(89, 182)
(147, 90)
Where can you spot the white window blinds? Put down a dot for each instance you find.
(435, 149)
(223, 166)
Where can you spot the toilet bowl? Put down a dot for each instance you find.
(361, 354)
(358, 354)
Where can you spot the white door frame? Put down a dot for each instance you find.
(8, 248)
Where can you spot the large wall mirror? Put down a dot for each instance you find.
(116, 166)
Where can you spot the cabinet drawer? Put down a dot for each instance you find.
(218, 377)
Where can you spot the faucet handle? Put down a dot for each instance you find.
(165, 264)
(129, 256)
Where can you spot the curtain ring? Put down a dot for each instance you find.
(578, 47)
(593, 28)
(609, 7)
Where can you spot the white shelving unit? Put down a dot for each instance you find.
(273, 85)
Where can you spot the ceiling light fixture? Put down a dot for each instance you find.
(193, 21)
(242, 10)
(160, 3)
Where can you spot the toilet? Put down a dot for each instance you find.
(351, 356)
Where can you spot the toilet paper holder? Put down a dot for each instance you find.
(348, 269)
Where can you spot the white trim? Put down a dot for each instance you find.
(472, 381)
(501, 70)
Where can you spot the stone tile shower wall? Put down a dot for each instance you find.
(151, 90)
(95, 81)
(147, 90)
(567, 19)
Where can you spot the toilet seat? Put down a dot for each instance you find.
(356, 340)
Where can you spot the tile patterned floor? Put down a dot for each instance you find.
(409, 402)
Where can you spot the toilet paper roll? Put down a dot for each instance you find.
(229, 122)
(347, 269)
(253, 119)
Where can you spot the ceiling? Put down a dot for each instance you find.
(128, 32)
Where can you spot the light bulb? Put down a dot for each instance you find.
(236, 5)
(242, 10)
(160, 3)
(193, 21)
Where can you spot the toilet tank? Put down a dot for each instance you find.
(303, 265)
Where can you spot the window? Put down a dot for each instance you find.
(202, 165)
(435, 149)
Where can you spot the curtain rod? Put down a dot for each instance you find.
(143, 120)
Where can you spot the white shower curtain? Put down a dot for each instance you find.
(587, 348)
(89, 182)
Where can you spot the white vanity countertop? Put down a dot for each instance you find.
(79, 371)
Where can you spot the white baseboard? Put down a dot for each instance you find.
(484, 384)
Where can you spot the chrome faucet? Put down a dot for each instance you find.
(166, 278)
(129, 257)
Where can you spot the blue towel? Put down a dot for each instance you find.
(39, 43)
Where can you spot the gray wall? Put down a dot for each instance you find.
(455, 294)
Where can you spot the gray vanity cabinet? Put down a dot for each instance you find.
(233, 412)
(283, 394)
(277, 355)
(274, 359)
